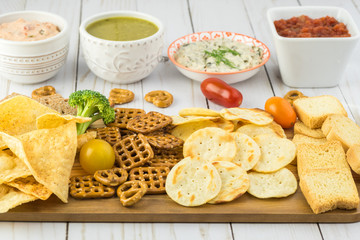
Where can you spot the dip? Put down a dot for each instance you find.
(306, 27)
(218, 55)
(122, 28)
(22, 30)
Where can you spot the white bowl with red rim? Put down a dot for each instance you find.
(228, 77)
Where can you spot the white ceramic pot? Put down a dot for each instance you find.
(313, 62)
(36, 61)
(122, 62)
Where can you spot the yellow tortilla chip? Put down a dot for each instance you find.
(84, 138)
(11, 197)
(49, 154)
(11, 167)
(53, 120)
(30, 186)
(18, 114)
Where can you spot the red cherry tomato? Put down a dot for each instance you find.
(221, 93)
(282, 111)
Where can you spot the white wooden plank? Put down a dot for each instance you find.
(25, 230)
(232, 16)
(348, 231)
(64, 81)
(149, 231)
(276, 231)
(32, 231)
(5, 7)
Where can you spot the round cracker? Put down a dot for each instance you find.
(198, 112)
(276, 152)
(234, 181)
(193, 182)
(253, 130)
(249, 115)
(211, 144)
(247, 151)
(281, 183)
(183, 131)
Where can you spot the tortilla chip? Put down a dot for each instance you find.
(30, 186)
(11, 167)
(53, 120)
(11, 197)
(18, 114)
(84, 138)
(49, 154)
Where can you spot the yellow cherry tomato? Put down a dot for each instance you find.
(95, 155)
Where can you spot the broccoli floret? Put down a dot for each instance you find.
(91, 104)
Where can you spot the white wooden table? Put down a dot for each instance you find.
(182, 17)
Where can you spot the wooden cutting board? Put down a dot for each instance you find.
(160, 208)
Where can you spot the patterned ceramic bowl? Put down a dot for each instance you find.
(229, 77)
(122, 62)
(35, 61)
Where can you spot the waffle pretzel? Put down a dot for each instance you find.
(125, 133)
(132, 151)
(292, 95)
(164, 140)
(43, 91)
(159, 98)
(166, 157)
(154, 177)
(120, 96)
(124, 115)
(131, 192)
(111, 177)
(84, 187)
(109, 134)
(150, 122)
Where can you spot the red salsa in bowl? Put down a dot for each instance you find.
(306, 27)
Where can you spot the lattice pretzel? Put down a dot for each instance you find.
(83, 187)
(111, 177)
(124, 115)
(166, 157)
(150, 122)
(109, 134)
(132, 151)
(163, 140)
(131, 192)
(154, 177)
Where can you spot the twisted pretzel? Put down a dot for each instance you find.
(131, 192)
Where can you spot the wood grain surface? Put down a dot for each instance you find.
(182, 17)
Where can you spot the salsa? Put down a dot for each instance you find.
(122, 28)
(22, 30)
(306, 27)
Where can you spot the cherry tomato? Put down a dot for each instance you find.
(95, 155)
(282, 111)
(221, 93)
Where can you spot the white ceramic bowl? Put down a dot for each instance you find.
(122, 62)
(36, 61)
(313, 62)
(228, 77)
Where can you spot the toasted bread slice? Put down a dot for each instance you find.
(326, 190)
(301, 128)
(353, 157)
(312, 156)
(300, 139)
(313, 111)
(343, 129)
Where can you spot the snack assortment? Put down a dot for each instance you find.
(200, 156)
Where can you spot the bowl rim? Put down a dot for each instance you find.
(306, 9)
(172, 59)
(136, 14)
(61, 34)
